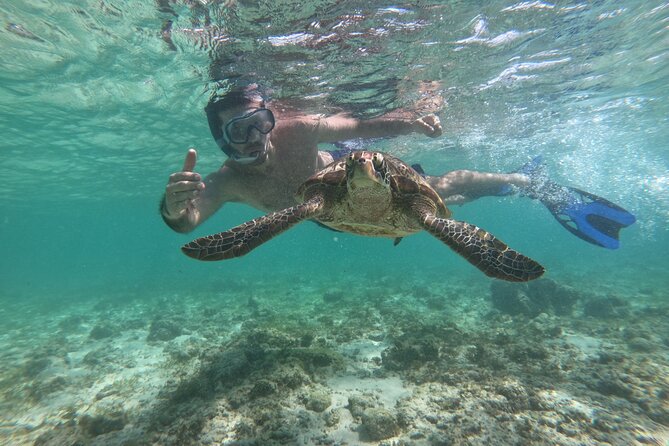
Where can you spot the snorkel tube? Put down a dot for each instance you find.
(232, 153)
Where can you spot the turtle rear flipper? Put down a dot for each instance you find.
(243, 238)
(483, 250)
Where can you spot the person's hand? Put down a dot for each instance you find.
(183, 187)
(429, 125)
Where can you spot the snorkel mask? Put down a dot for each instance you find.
(238, 131)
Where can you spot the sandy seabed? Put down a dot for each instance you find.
(395, 362)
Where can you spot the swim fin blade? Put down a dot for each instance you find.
(587, 216)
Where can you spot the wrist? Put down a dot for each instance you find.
(171, 217)
(184, 222)
(166, 214)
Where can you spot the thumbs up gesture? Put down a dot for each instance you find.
(183, 187)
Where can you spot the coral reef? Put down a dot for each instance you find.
(533, 298)
(415, 364)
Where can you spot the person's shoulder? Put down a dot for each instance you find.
(298, 121)
(298, 129)
(223, 183)
(222, 175)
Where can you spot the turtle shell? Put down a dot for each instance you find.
(331, 177)
(406, 182)
(407, 185)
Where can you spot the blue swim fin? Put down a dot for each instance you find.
(587, 216)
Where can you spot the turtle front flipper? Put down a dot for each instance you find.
(483, 250)
(243, 238)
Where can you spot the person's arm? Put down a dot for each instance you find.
(461, 186)
(188, 201)
(342, 127)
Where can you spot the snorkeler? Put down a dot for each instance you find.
(270, 155)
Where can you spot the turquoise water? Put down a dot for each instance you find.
(97, 108)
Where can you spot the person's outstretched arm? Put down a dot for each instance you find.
(341, 127)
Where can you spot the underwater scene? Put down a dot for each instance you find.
(406, 223)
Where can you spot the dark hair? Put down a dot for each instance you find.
(237, 96)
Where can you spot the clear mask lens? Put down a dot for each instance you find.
(238, 130)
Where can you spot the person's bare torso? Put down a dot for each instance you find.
(272, 186)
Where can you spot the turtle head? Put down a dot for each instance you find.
(366, 170)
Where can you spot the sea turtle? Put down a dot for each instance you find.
(378, 195)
